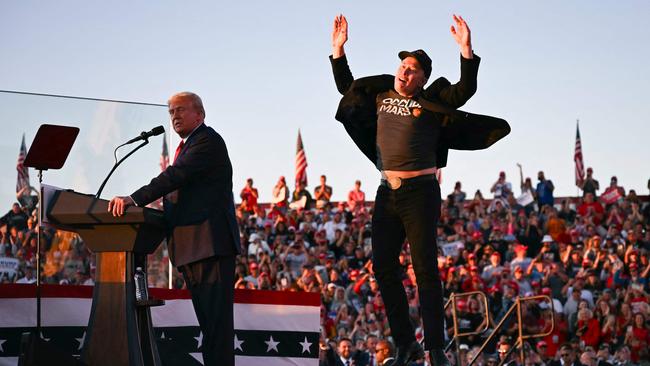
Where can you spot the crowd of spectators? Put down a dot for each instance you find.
(589, 254)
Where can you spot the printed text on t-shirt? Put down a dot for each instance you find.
(398, 106)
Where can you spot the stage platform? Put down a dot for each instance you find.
(271, 328)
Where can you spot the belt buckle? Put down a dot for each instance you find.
(394, 182)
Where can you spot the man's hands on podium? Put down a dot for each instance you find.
(117, 205)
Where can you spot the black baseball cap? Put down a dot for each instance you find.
(423, 59)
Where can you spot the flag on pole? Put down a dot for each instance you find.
(301, 162)
(23, 173)
(164, 157)
(577, 158)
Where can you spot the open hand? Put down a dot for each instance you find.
(339, 35)
(462, 35)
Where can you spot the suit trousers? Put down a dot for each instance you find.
(411, 211)
(211, 284)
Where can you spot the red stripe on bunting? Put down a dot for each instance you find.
(241, 296)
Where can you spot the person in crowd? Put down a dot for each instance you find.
(345, 355)
(501, 188)
(589, 184)
(544, 191)
(29, 277)
(281, 194)
(567, 357)
(249, 197)
(15, 218)
(385, 352)
(322, 193)
(458, 195)
(356, 197)
(612, 194)
(301, 198)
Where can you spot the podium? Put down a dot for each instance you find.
(119, 329)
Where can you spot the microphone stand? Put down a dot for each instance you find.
(39, 235)
(117, 163)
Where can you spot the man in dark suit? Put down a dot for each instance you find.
(203, 236)
(385, 352)
(345, 355)
(567, 357)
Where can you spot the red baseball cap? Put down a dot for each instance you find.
(353, 274)
(521, 247)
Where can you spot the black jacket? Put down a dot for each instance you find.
(461, 130)
(198, 200)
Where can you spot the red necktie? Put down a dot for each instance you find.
(178, 150)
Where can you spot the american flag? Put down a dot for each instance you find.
(164, 157)
(301, 162)
(577, 157)
(23, 173)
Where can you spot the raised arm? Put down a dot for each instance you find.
(458, 94)
(342, 75)
(521, 178)
(463, 36)
(339, 36)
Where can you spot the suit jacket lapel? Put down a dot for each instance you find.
(189, 140)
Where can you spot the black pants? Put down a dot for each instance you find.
(411, 211)
(211, 283)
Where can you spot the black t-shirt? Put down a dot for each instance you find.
(589, 186)
(407, 135)
(17, 220)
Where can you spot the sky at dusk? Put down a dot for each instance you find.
(263, 72)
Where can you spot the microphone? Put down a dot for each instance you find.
(145, 135)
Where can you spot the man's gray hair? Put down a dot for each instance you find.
(197, 103)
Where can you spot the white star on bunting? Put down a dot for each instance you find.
(198, 356)
(272, 345)
(305, 346)
(81, 341)
(199, 339)
(238, 343)
(1, 342)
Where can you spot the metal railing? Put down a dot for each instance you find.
(521, 336)
(457, 334)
